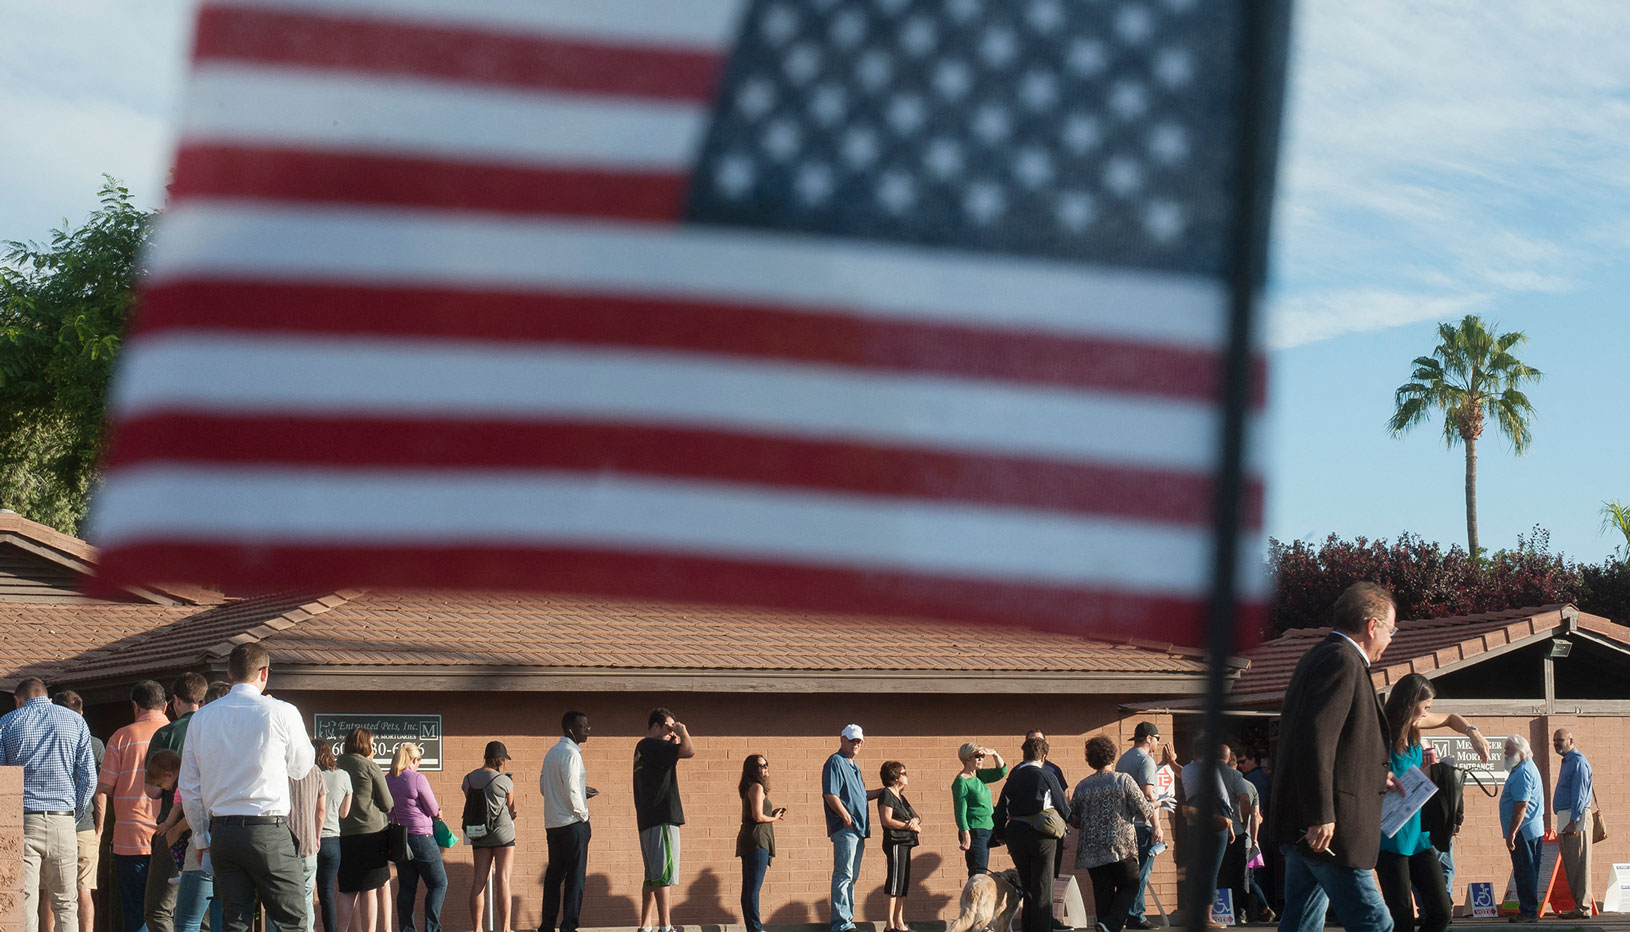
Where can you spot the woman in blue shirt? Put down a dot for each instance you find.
(1407, 858)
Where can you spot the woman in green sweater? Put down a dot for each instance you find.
(970, 804)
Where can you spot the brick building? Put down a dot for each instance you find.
(494, 665)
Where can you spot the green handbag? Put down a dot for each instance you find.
(444, 835)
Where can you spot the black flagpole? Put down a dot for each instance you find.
(1265, 28)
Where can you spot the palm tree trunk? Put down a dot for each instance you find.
(1471, 496)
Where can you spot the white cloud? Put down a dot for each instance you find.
(1445, 155)
(1297, 319)
(87, 87)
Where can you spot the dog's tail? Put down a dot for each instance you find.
(972, 898)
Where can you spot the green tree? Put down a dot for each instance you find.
(63, 307)
(1473, 378)
(1616, 517)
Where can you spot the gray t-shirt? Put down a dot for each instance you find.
(1238, 786)
(88, 823)
(1137, 764)
(337, 786)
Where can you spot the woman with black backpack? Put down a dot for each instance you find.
(489, 824)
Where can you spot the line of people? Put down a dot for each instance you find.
(1342, 750)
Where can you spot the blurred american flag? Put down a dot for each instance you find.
(910, 307)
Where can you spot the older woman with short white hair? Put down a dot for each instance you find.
(1522, 821)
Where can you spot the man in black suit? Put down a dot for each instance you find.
(1331, 771)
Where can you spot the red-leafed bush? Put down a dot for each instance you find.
(1431, 582)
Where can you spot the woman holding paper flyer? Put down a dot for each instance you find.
(1407, 858)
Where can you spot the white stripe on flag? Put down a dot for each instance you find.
(223, 239)
(681, 517)
(702, 24)
(284, 107)
(255, 375)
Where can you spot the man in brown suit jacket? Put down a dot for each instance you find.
(1331, 772)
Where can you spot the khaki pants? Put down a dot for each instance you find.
(51, 864)
(1575, 851)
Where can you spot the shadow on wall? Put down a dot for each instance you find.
(792, 914)
(919, 904)
(597, 890)
(702, 900)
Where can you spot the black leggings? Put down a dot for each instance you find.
(1114, 887)
(1398, 873)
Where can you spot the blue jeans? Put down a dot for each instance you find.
(131, 871)
(328, 879)
(195, 896)
(978, 853)
(1525, 870)
(753, 868)
(847, 848)
(1446, 858)
(1146, 840)
(1206, 850)
(426, 865)
(1312, 886)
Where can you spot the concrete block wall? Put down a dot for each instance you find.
(11, 849)
(796, 733)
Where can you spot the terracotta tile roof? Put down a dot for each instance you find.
(390, 628)
(39, 639)
(79, 556)
(196, 637)
(1420, 646)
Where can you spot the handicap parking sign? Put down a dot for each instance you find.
(1222, 908)
(1483, 904)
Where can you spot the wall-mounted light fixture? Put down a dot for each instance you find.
(1560, 648)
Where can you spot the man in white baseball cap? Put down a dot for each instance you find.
(847, 822)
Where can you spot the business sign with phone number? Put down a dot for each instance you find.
(389, 732)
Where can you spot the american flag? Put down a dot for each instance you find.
(904, 307)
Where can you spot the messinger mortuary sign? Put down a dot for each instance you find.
(1459, 750)
(389, 732)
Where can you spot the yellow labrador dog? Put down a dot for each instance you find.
(989, 902)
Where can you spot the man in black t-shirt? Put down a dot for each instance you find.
(659, 813)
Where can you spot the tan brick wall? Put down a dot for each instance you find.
(11, 849)
(796, 734)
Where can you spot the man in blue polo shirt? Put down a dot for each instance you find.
(847, 823)
(53, 747)
(1522, 821)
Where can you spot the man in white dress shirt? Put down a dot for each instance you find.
(241, 752)
(564, 784)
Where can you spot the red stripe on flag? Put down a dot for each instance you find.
(1101, 614)
(239, 172)
(815, 337)
(1142, 494)
(466, 54)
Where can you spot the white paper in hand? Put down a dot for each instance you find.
(1396, 809)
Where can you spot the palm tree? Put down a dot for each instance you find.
(1473, 378)
(1616, 516)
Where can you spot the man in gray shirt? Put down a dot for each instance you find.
(1139, 763)
(1248, 898)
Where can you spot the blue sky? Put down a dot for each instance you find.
(1441, 158)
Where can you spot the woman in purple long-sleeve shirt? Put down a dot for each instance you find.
(416, 809)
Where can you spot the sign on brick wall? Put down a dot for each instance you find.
(1459, 749)
(389, 732)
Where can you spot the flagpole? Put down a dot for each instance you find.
(1264, 26)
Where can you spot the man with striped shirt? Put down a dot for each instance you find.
(53, 747)
(124, 780)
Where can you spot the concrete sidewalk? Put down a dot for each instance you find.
(1607, 922)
